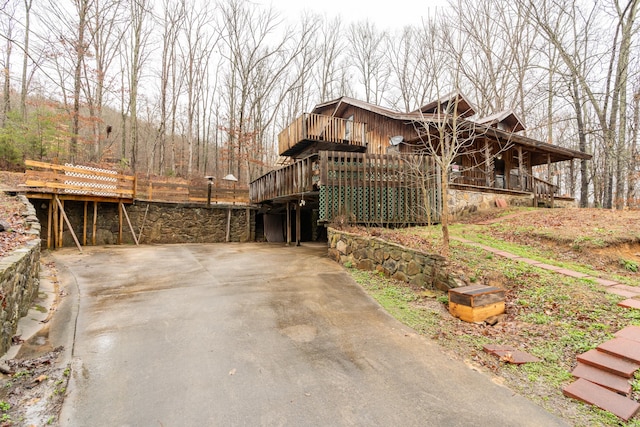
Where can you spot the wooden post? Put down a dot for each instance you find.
(64, 216)
(298, 211)
(84, 225)
(288, 225)
(126, 215)
(487, 165)
(60, 221)
(521, 169)
(120, 223)
(56, 217)
(228, 224)
(49, 219)
(248, 213)
(95, 223)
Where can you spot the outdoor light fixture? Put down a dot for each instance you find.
(209, 185)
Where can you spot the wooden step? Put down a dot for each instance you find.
(609, 363)
(603, 378)
(630, 332)
(603, 398)
(622, 347)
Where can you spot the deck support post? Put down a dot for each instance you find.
(60, 221)
(298, 211)
(95, 223)
(49, 219)
(84, 224)
(521, 169)
(488, 163)
(66, 219)
(119, 223)
(126, 215)
(288, 224)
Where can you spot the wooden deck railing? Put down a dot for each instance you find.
(316, 127)
(178, 190)
(294, 179)
(78, 180)
(543, 191)
(103, 184)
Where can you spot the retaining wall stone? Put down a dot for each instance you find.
(393, 260)
(19, 279)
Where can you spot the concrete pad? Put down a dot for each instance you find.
(257, 334)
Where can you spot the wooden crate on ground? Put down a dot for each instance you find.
(476, 303)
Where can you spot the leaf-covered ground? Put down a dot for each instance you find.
(12, 221)
(551, 316)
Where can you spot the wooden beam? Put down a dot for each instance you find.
(64, 215)
(126, 215)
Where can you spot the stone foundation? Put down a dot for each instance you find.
(392, 260)
(19, 280)
(160, 223)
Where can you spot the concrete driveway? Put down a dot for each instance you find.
(255, 335)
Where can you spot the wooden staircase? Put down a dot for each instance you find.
(604, 374)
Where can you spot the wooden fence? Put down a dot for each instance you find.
(78, 180)
(91, 183)
(177, 190)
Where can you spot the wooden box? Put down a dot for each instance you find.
(475, 303)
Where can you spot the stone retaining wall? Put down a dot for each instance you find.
(462, 202)
(19, 280)
(392, 260)
(160, 223)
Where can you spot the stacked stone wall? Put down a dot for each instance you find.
(160, 223)
(19, 279)
(393, 260)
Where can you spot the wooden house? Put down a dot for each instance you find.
(355, 161)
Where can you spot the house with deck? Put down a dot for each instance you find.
(353, 161)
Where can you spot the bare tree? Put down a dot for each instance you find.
(366, 44)
(607, 107)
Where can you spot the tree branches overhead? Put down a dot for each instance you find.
(191, 87)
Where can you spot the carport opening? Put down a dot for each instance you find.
(272, 226)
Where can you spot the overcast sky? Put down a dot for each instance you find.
(386, 14)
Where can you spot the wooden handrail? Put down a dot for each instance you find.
(318, 127)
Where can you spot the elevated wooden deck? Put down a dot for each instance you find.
(362, 188)
(322, 133)
(76, 183)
